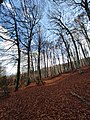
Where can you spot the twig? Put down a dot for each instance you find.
(81, 98)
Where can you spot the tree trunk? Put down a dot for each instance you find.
(18, 71)
(76, 50)
(45, 64)
(19, 57)
(47, 61)
(39, 51)
(86, 7)
(28, 70)
(83, 52)
(32, 66)
(67, 49)
(28, 61)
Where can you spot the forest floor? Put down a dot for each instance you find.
(65, 97)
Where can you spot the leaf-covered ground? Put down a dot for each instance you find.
(52, 101)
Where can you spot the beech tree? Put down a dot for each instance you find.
(82, 31)
(32, 14)
(21, 21)
(1, 1)
(84, 4)
(9, 18)
(81, 27)
(56, 19)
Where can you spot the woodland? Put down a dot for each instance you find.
(44, 60)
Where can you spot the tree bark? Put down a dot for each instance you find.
(39, 52)
(67, 49)
(19, 57)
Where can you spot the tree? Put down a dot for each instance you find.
(40, 45)
(39, 52)
(1, 1)
(67, 49)
(2, 70)
(84, 4)
(56, 19)
(81, 27)
(32, 13)
(21, 21)
(9, 22)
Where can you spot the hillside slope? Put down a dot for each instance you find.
(66, 97)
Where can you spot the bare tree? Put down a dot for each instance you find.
(1, 1)
(81, 26)
(39, 47)
(9, 22)
(56, 19)
(84, 4)
(32, 13)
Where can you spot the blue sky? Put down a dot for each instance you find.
(67, 12)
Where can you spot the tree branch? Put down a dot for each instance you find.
(81, 98)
